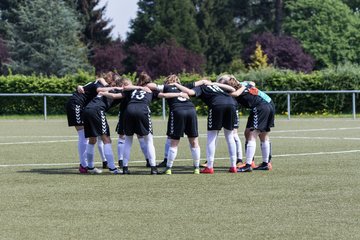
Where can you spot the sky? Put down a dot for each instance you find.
(120, 11)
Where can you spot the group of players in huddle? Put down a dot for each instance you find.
(87, 107)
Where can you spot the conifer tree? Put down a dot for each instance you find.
(259, 58)
(45, 40)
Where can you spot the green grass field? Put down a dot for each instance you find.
(313, 191)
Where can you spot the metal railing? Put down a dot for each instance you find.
(288, 93)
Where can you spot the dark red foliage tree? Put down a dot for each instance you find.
(109, 57)
(164, 59)
(283, 52)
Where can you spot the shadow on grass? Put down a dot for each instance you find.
(134, 170)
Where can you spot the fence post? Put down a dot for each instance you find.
(45, 108)
(353, 106)
(288, 105)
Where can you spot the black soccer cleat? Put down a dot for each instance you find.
(104, 165)
(163, 163)
(121, 163)
(125, 170)
(154, 171)
(147, 163)
(246, 168)
(263, 166)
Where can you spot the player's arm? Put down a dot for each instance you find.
(238, 92)
(133, 87)
(202, 82)
(112, 95)
(184, 89)
(225, 87)
(80, 89)
(173, 95)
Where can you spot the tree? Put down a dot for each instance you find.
(159, 21)
(282, 52)
(45, 40)
(109, 57)
(97, 30)
(164, 59)
(7, 14)
(328, 30)
(219, 36)
(4, 54)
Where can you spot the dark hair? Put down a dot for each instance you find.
(143, 79)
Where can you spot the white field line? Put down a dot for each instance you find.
(182, 160)
(274, 137)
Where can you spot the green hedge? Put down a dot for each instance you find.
(340, 78)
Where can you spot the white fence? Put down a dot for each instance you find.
(288, 93)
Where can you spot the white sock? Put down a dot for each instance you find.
(151, 149)
(90, 151)
(120, 148)
(195, 153)
(250, 151)
(109, 155)
(100, 144)
(239, 153)
(127, 150)
(171, 156)
(210, 147)
(167, 145)
(143, 147)
(265, 151)
(229, 137)
(82, 142)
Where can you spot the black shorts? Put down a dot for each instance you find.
(95, 123)
(262, 117)
(137, 120)
(221, 116)
(74, 112)
(182, 120)
(120, 125)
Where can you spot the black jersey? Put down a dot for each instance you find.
(249, 100)
(176, 102)
(90, 92)
(213, 95)
(138, 96)
(103, 103)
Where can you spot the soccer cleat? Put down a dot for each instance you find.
(94, 170)
(207, 170)
(114, 171)
(263, 166)
(233, 169)
(125, 170)
(168, 171)
(196, 170)
(154, 171)
(147, 163)
(104, 165)
(204, 164)
(83, 169)
(162, 164)
(270, 165)
(239, 163)
(120, 163)
(246, 168)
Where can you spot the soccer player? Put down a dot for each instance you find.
(95, 125)
(221, 114)
(182, 119)
(260, 120)
(75, 107)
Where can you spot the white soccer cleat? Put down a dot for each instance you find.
(94, 171)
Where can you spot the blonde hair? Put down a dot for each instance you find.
(225, 78)
(172, 79)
